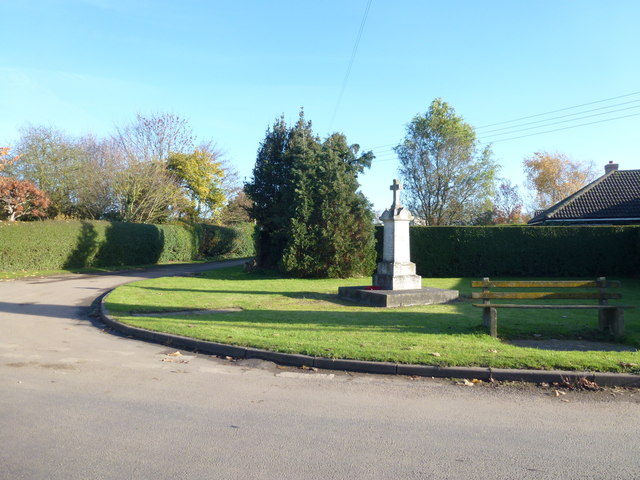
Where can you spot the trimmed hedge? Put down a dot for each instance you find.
(524, 251)
(55, 245)
(236, 240)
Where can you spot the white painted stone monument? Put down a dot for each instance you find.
(395, 283)
(396, 271)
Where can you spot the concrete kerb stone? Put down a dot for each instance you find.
(616, 379)
(297, 360)
(537, 376)
(294, 360)
(221, 349)
(167, 339)
(445, 372)
(355, 365)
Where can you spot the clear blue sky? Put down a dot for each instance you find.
(232, 67)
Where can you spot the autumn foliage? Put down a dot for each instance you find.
(19, 198)
(5, 161)
(554, 176)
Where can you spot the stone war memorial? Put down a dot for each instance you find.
(395, 283)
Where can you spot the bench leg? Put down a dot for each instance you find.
(612, 321)
(490, 320)
(617, 323)
(603, 320)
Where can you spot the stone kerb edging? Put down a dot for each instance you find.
(298, 360)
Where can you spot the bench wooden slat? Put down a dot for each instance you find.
(546, 295)
(555, 307)
(610, 317)
(544, 284)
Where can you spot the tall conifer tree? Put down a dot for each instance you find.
(312, 220)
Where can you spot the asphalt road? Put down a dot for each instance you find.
(77, 402)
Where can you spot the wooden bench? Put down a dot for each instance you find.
(610, 317)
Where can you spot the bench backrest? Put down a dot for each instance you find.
(601, 284)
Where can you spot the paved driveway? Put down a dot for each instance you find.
(79, 403)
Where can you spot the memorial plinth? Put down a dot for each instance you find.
(395, 283)
(396, 271)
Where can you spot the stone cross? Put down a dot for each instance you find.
(396, 187)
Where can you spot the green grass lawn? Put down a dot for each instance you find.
(306, 316)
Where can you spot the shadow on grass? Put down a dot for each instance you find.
(462, 319)
(326, 297)
(312, 320)
(459, 318)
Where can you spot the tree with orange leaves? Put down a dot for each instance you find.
(554, 176)
(19, 198)
(5, 161)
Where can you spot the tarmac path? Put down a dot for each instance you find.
(77, 402)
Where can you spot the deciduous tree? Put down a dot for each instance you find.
(448, 178)
(50, 159)
(94, 195)
(507, 204)
(21, 199)
(145, 192)
(554, 176)
(95, 178)
(5, 160)
(200, 176)
(154, 137)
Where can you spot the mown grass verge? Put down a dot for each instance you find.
(306, 316)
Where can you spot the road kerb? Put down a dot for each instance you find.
(385, 368)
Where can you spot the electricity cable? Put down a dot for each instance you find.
(351, 60)
(385, 151)
(559, 110)
(563, 116)
(564, 121)
(560, 129)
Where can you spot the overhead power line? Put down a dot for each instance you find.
(564, 128)
(351, 60)
(559, 110)
(510, 132)
(564, 116)
(385, 154)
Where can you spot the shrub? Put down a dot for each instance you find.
(236, 240)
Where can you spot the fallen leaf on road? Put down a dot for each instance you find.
(476, 380)
(558, 393)
(174, 354)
